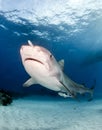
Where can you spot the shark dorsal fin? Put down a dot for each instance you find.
(30, 43)
(61, 63)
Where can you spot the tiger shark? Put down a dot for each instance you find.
(43, 69)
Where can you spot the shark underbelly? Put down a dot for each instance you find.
(42, 76)
(50, 83)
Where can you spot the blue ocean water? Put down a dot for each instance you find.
(71, 30)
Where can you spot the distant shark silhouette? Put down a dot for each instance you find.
(92, 58)
(43, 69)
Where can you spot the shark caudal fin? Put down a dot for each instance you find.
(91, 93)
(91, 90)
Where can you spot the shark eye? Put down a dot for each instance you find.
(51, 56)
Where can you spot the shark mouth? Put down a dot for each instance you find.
(32, 59)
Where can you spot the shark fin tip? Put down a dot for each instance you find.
(30, 43)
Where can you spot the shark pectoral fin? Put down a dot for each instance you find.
(29, 82)
(61, 63)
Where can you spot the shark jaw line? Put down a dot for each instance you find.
(32, 59)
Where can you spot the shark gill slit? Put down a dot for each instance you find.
(67, 89)
(32, 59)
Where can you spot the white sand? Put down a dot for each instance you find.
(47, 113)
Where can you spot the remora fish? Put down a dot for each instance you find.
(43, 69)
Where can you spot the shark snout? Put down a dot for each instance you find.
(22, 47)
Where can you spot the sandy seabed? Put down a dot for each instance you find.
(51, 113)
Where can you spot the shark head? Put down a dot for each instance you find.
(38, 57)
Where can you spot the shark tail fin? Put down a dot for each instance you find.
(92, 90)
(91, 93)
